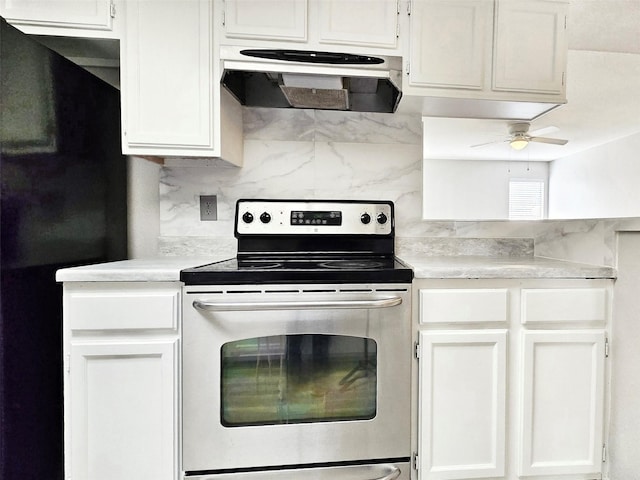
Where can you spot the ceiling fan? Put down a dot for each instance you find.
(519, 136)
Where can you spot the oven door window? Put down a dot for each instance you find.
(298, 379)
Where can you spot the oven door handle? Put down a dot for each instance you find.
(308, 305)
(395, 473)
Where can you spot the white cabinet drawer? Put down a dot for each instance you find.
(463, 305)
(564, 305)
(123, 309)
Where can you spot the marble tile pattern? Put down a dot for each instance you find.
(301, 154)
(335, 155)
(465, 247)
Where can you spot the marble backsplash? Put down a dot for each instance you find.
(334, 155)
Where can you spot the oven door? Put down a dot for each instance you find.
(295, 375)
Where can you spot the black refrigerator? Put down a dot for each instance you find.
(63, 203)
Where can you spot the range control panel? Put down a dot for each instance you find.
(301, 217)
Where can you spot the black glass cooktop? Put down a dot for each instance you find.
(300, 269)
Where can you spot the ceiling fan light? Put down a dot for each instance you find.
(519, 143)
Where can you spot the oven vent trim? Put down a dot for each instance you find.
(297, 291)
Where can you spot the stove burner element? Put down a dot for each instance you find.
(261, 265)
(351, 264)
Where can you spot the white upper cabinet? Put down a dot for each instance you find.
(283, 20)
(366, 26)
(359, 22)
(167, 73)
(76, 18)
(450, 43)
(487, 49)
(531, 46)
(171, 96)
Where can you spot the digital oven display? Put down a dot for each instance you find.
(333, 217)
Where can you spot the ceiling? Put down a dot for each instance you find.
(603, 93)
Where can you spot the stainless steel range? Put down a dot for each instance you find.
(297, 353)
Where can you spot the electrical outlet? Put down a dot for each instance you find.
(208, 208)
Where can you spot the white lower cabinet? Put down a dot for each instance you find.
(510, 379)
(123, 410)
(121, 347)
(562, 402)
(462, 388)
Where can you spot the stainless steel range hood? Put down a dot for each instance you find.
(316, 80)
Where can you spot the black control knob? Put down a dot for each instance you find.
(365, 218)
(381, 218)
(247, 217)
(265, 217)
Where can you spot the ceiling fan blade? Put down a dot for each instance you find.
(488, 143)
(544, 131)
(553, 141)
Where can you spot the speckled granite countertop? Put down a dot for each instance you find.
(502, 267)
(167, 269)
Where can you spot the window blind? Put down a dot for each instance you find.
(526, 199)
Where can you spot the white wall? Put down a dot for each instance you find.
(624, 435)
(472, 189)
(598, 183)
(143, 207)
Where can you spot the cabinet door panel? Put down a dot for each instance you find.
(457, 305)
(266, 19)
(93, 14)
(450, 43)
(167, 88)
(462, 411)
(123, 408)
(359, 22)
(562, 402)
(564, 305)
(530, 50)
